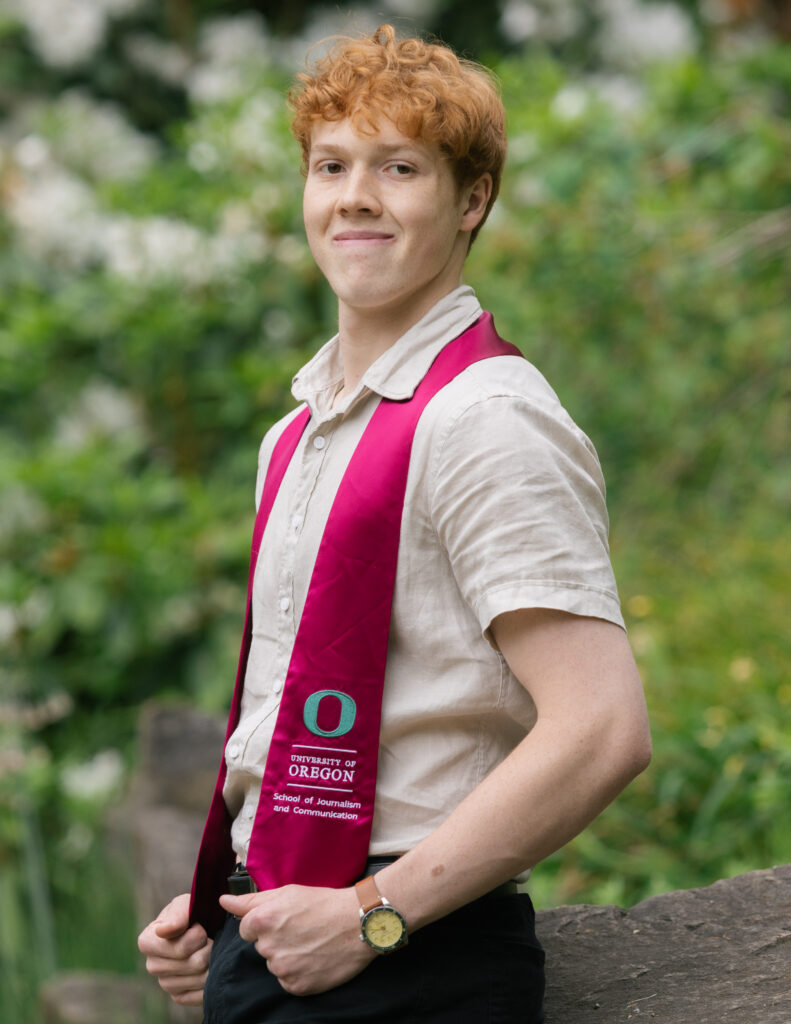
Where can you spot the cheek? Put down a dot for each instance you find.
(313, 211)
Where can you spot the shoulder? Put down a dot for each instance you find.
(503, 405)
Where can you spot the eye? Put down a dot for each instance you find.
(401, 170)
(331, 167)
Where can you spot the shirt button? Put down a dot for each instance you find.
(319, 442)
(296, 522)
(248, 813)
(284, 603)
(233, 750)
(277, 687)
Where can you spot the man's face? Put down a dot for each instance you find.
(383, 217)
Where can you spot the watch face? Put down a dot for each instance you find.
(383, 928)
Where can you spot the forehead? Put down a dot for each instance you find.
(385, 137)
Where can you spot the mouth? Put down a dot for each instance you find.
(362, 237)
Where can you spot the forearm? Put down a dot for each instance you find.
(543, 794)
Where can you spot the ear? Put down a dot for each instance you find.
(477, 200)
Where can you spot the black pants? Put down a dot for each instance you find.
(479, 965)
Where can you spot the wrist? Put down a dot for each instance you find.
(382, 927)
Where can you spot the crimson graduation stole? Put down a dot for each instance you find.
(314, 815)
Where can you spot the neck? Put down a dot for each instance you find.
(364, 335)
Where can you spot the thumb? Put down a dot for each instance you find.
(173, 921)
(238, 905)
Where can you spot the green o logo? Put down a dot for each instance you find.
(310, 715)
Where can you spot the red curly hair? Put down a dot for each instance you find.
(423, 88)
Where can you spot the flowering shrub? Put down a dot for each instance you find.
(156, 295)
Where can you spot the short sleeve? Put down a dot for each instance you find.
(518, 502)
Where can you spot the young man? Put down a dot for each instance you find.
(433, 616)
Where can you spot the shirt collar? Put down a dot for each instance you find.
(399, 370)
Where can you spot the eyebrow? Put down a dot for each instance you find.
(382, 148)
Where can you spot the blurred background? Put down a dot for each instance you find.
(156, 296)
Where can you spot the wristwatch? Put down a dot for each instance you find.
(381, 925)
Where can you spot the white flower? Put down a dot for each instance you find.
(9, 622)
(35, 609)
(236, 218)
(623, 94)
(317, 38)
(528, 190)
(96, 779)
(97, 139)
(227, 41)
(31, 152)
(55, 216)
(291, 250)
(178, 616)
(634, 33)
(522, 147)
(560, 19)
(146, 251)
(519, 21)
(77, 841)
(278, 326)
(570, 102)
(210, 84)
(156, 247)
(202, 156)
(250, 137)
(21, 511)
(66, 33)
(101, 410)
(168, 61)
(229, 49)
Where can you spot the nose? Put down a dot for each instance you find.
(359, 193)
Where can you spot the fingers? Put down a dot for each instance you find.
(185, 991)
(151, 943)
(187, 968)
(177, 955)
(182, 979)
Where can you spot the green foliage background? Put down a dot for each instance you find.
(639, 257)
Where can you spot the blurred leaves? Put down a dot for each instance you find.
(150, 323)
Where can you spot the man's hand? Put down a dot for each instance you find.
(309, 937)
(177, 955)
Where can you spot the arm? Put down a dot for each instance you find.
(590, 739)
(177, 955)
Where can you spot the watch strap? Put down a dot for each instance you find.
(368, 894)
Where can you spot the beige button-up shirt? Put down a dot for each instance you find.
(504, 509)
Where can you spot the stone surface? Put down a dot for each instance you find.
(180, 751)
(719, 955)
(85, 997)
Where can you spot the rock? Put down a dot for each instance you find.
(180, 751)
(166, 845)
(718, 955)
(85, 997)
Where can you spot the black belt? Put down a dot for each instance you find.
(240, 882)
